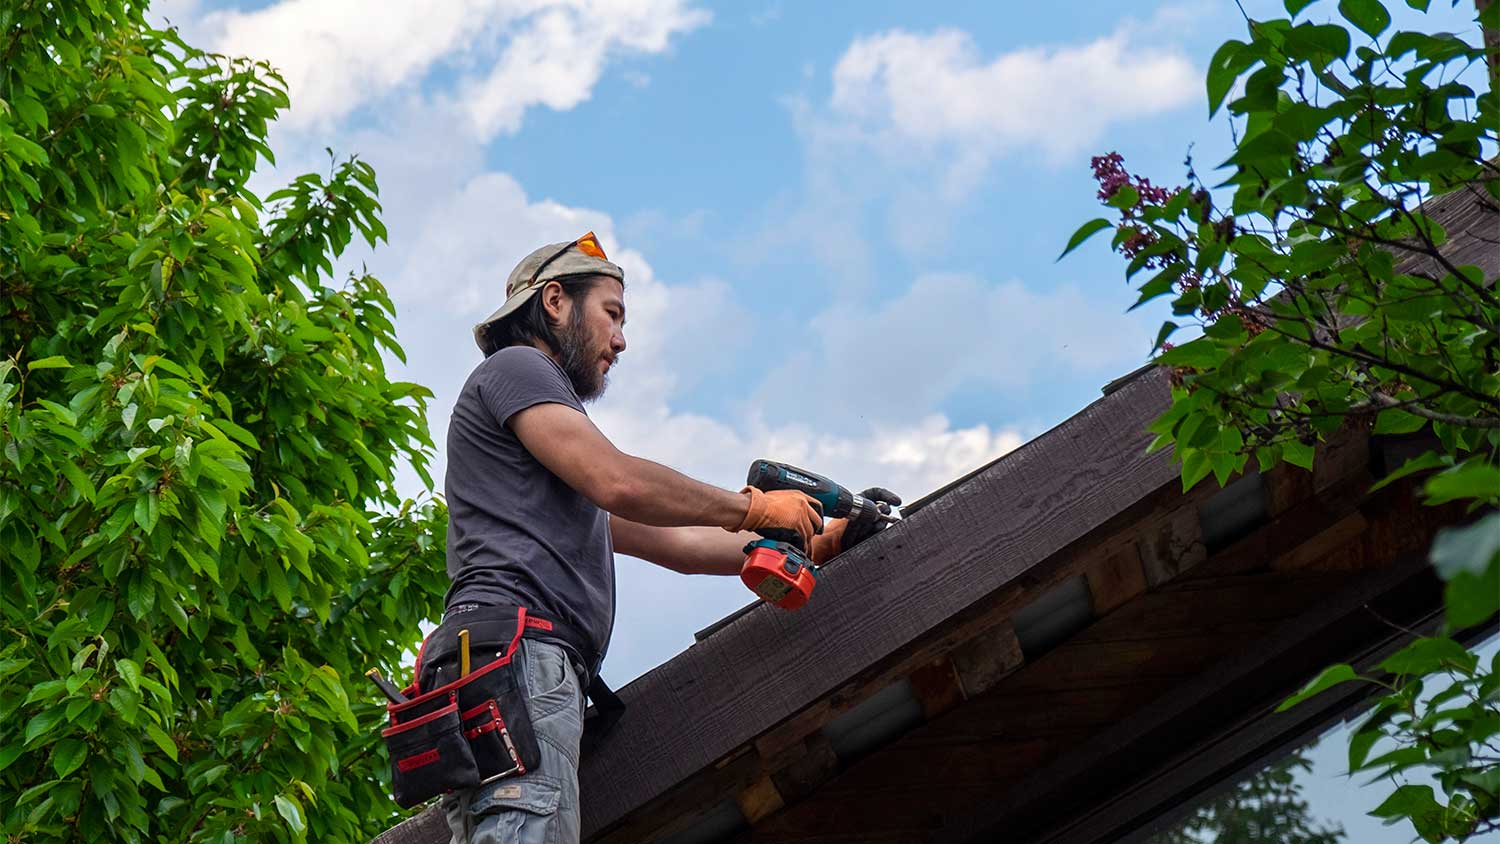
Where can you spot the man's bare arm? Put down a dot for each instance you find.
(689, 550)
(567, 443)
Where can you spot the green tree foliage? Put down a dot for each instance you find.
(202, 547)
(1320, 294)
(1267, 808)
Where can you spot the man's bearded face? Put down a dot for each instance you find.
(592, 338)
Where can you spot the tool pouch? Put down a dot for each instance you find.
(458, 732)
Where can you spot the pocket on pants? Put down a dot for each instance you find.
(517, 811)
(551, 684)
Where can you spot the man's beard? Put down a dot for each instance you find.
(579, 362)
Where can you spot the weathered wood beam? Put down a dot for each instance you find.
(1223, 606)
(978, 649)
(876, 600)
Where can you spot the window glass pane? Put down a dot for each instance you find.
(1306, 797)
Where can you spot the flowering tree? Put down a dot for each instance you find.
(201, 546)
(1319, 294)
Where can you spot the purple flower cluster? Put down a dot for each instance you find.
(1110, 172)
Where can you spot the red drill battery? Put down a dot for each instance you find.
(778, 573)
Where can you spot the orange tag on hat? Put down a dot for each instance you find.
(589, 245)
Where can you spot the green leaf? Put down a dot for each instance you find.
(1199, 353)
(1298, 454)
(1472, 548)
(161, 739)
(1472, 598)
(1331, 676)
(291, 812)
(147, 510)
(1360, 745)
(1229, 61)
(1167, 329)
(1369, 15)
(1420, 463)
(10, 753)
(1472, 479)
(67, 755)
(1407, 801)
(1295, 6)
(129, 672)
(79, 480)
(42, 722)
(1124, 196)
(1085, 231)
(1426, 655)
(53, 362)
(1394, 420)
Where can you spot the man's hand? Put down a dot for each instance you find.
(839, 535)
(786, 509)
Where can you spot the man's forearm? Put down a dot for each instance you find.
(653, 494)
(689, 550)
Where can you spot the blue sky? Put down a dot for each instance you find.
(838, 220)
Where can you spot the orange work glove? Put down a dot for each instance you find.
(787, 509)
(830, 542)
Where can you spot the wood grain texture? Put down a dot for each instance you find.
(936, 686)
(988, 657)
(1090, 718)
(1174, 546)
(1115, 581)
(725, 691)
(1472, 224)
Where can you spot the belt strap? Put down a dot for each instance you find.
(602, 716)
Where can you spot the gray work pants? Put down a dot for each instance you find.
(540, 806)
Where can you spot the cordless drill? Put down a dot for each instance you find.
(777, 567)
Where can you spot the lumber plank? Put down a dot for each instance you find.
(759, 800)
(882, 595)
(981, 662)
(1116, 581)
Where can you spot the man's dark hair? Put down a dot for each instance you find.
(530, 323)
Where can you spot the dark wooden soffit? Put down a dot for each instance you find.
(1166, 691)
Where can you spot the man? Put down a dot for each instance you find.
(540, 501)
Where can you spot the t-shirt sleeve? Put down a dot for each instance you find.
(519, 377)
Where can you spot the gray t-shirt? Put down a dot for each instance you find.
(517, 534)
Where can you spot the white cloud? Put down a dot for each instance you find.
(902, 356)
(505, 56)
(915, 122)
(906, 88)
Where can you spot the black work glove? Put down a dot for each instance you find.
(858, 532)
(840, 535)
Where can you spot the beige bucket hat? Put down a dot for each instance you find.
(583, 256)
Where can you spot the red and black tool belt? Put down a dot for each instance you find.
(457, 732)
